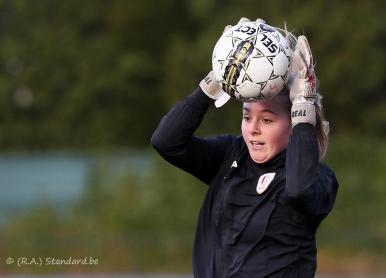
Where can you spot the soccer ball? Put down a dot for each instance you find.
(252, 60)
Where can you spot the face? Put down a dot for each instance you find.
(265, 128)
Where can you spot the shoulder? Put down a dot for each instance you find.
(326, 170)
(327, 177)
(239, 142)
(233, 147)
(236, 144)
(232, 141)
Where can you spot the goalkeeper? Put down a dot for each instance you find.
(268, 190)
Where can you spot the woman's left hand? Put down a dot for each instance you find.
(303, 89)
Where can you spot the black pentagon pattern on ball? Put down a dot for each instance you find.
(266, 28)
(236, 62)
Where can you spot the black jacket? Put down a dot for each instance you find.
(241, 233)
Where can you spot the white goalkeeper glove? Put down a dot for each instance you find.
(210, 86)
(303, 89)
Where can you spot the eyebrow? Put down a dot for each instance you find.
(262, 111)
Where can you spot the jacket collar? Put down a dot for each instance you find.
(276, 162)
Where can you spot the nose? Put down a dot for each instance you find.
(255, 128)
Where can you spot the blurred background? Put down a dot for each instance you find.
(83, 85)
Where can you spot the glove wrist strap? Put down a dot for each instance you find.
(303, 113)
(210, 87)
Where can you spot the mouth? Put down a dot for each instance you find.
(257, 145)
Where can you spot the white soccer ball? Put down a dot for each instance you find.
(252, 60)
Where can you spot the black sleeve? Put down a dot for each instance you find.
(175, 142)
(311, 186)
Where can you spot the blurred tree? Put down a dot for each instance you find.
(97, 74)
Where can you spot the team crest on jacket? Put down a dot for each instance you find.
(264, 181)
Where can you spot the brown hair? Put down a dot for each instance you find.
(322, 127)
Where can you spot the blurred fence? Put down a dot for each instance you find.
(57, 179)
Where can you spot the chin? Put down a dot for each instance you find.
(260, 159)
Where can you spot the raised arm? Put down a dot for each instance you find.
(311, 186)
(175, 141)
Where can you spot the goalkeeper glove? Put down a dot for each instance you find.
(212, 88)
(303, 93)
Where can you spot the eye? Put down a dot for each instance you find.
(246, 118)
(266, 121)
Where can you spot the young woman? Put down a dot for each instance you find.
(268, 190)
